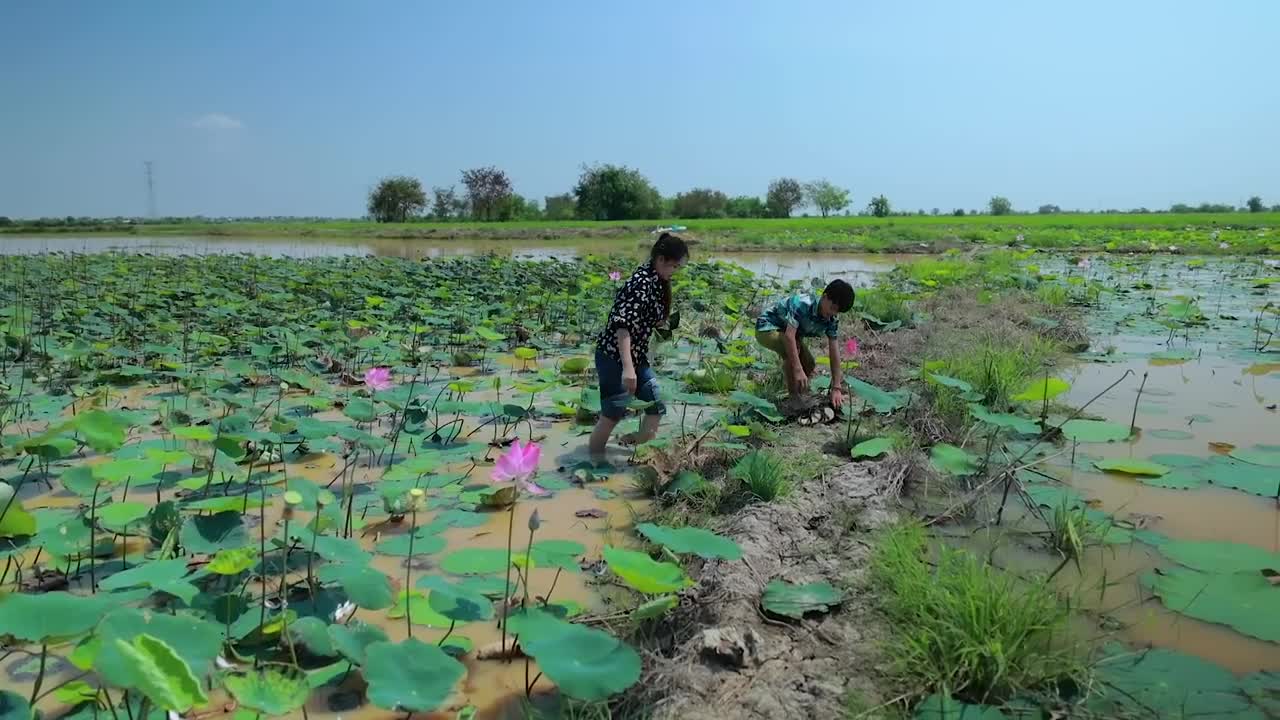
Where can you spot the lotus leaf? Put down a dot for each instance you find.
(410, 676)
(1167, 684)
(454, 601)
(233, 562)
(874, 447)
(417, 606)
(642, 573)
(211, 533)
(157, 671)
(1094, 431)
(1042, 389)
(353, 639)
(196, 641)
(953, 460)
(424, 543)
(1230, 473)
(15, 521)
(475, 561)
(37, 618)
(1165, 434)
(1178, 479)
(1211, 556)
(101, 430)
(117, 517)
(1258, 456)
(584, 663)
(562, 554)
(269, 689)
(784, 598)
(882, 401)
(313, 634)
(942, 707)
(655, 608)
(364, 585)
(703, 543)
(1243, 601)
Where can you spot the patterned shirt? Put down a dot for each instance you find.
(800, 312)
(638, 308)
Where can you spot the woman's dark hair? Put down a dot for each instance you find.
(671, 247)
(841, 293)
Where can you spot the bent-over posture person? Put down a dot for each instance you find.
(622, 350)
(785, 324)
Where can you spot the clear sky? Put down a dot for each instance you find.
(296, 108)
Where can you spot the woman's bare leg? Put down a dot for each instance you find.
(600, 438)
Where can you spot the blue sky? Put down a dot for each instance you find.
(296, 108)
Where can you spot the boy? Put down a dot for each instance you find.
(782, 326)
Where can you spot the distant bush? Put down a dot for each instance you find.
(615, 192)
(700, 203)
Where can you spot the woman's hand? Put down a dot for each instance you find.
(629, 379)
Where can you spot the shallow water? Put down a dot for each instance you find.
(858, 268)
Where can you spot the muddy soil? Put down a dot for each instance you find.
(806, 669)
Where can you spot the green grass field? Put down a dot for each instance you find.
(1242, 232)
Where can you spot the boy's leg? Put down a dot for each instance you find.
(773, 340)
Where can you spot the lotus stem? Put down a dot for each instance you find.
(1133, 421)
(506, 587)
(408, 573)
(44, 655)
(93, 541)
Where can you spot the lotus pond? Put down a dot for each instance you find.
(268, 480)
(211, 502)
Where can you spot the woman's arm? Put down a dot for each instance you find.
(628, 365)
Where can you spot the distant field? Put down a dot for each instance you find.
(1243, 232)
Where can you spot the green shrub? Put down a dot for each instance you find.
(965, 628)
(884, 304)
(762, 475)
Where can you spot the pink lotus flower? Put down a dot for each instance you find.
(1083, 264)
(378, 378)
(851, 347)
(615, 276)
(519, 464)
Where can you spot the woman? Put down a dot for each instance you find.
(622, 350)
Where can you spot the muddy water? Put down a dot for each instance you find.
(858, 268)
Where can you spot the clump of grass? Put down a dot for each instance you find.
(762, 475)
(884, 304)
(1053, 294)
(965, 628)
(998, 368)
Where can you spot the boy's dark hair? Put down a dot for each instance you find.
(841, 293)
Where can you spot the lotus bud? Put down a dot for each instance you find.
(284, 387)
(534, 521)
(324, 498)
(415, 498)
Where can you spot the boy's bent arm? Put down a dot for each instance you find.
(837, 372)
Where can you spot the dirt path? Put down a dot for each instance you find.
(809, 669)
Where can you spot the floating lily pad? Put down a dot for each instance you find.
(211, 533)
(1243, 601)
(1166, 434)
(1054, 496)
(1177, 479)
(1211, 556)
(703, 543)
(1131, 466)
(1174, 460)
(1005, 421)
(364, 585)
(795, 601)
(1230, 473)
(1042, 389)
(424, 543)
(941, 707)
(158, 672)
(1166, 684)
(475, 561)
(1094, 431)
(37, 618)
(353, 639)
(1257, 456)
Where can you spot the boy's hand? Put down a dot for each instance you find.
(801, 380)
(629, 379)
(837, 398)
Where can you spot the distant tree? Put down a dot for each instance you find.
(4, 221)
(1000, 205)
(396, 199)
(1181, 208)
(488, 190)
(934, 211)
(958, 212)
(1275, 208)
(745, 206)
(445, 203)
(615, 192)
(559, 207)
(826, 197)
(1255, 204)
(879, 206)
(1214, 208)
(700, 203)
(784, 196)
(1049, 209)
(515, 207)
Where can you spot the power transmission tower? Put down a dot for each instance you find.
(151, 191)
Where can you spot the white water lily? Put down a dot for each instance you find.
(1223, 246)
(222, 663)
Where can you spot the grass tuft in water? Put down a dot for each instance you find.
(965, 628)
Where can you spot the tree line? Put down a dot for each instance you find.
(618, 192)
